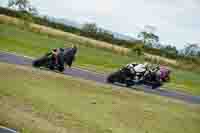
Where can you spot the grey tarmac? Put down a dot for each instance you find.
(101, 78)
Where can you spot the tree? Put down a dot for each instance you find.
(149, 39)
(26, 11)
(138, 49)
(171, 49)
(191, 49)
(22, 5)
(90, 29)
(198, 54)
(104, 35)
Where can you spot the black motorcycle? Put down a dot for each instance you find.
(65, 56)
(125, 76)
(48, 61)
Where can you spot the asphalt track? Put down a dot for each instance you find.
(6, 130)
(88, 75)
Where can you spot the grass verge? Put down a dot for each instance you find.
(35, 101)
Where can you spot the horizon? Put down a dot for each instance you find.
(174, 20)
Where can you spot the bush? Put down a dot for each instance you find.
(138, 49)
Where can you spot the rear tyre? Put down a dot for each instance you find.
(156, 85)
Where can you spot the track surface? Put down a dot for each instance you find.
(6, 130)
(76, 72)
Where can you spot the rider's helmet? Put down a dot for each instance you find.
(129, 66)
(55, 50)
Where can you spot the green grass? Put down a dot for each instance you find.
(13, 39)
(185, 81)
(35, 101)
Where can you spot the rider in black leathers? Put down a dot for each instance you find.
(61, 56)
(57, 59)
(70, 54)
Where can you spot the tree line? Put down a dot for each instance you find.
(147, 41)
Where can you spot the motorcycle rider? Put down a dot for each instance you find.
(141, 71)
(57, 59)
(131, 67)
(138, 70)
(70, 54)
(155, 72)
(55, 53)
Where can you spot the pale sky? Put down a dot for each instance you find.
(177, 21)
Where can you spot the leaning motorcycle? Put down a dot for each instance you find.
(67, 56)
(47, 62)
(153, 79)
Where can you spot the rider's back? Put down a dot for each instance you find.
(140, 68)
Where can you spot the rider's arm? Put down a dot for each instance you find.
(53, 52)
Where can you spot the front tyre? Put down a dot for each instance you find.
(61, 69)
(36, 63)
(40, 62)
(112, 78)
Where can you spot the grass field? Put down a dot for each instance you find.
(35, 101)
(188, 82)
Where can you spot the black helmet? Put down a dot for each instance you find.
(55, 49)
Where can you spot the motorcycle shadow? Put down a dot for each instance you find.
(134, 85)
(47, 69)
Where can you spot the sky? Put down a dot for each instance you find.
(177, 22)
